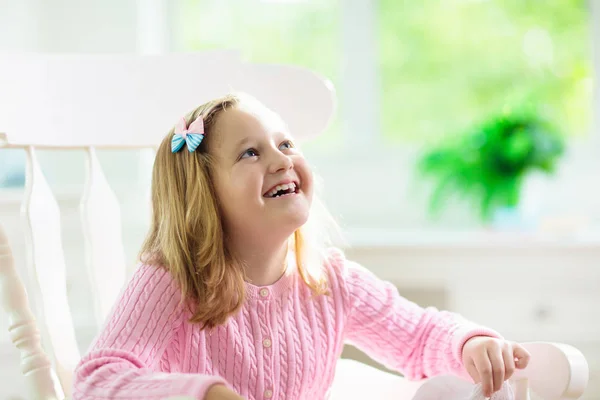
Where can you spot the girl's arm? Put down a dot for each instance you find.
(124, 360)
(417, 342)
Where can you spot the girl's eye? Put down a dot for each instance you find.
(286, 145)
(249, 153)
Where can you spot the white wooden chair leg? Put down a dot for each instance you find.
(24, 333)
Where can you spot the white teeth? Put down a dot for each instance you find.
(277, 188)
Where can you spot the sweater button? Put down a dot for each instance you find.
(264, 292)
(267, 342)
(268, 394)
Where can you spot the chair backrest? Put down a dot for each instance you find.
(108, 102)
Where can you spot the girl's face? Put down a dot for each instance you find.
(263, 183)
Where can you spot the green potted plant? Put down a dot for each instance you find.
(487, 165)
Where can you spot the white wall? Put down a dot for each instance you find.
(68, 26)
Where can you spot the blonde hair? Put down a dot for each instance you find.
(187, 238)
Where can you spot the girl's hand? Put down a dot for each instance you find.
(221, 392)
(492, 361)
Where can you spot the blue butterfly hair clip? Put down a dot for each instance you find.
(191, 136)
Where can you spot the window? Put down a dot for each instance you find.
(448, 64)
(442, 65)
(12, 168)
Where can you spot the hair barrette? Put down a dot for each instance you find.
(192, 135)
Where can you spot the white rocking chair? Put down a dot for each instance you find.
(46, 102)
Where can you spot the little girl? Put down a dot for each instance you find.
(234, 299)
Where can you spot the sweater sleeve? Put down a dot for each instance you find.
(123, 362)
(417, 342)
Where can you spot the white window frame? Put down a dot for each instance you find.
(360, 113)
(361, 82)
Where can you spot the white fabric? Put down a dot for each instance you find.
(453, 388)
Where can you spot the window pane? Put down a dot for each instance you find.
(303, 33)
(447, 64)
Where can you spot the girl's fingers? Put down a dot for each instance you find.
(509, 360)
(472, 370)
(484, 369)
(497, 362)
(520, 355)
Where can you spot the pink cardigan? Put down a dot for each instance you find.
(282, 344)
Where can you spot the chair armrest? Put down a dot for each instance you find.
(556, 371)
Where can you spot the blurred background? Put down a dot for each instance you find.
(462, 162)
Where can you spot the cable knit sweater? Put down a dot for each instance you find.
(283, 344)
